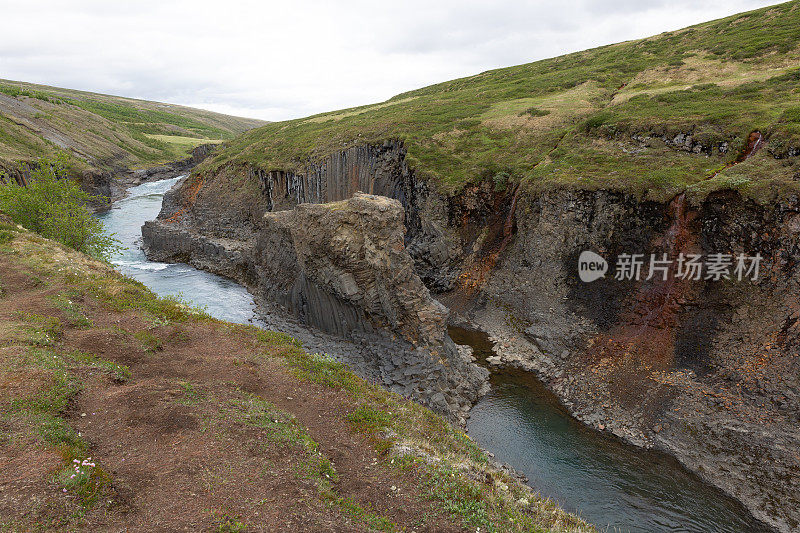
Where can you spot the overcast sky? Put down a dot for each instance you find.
(278, 60)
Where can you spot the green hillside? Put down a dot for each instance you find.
(102, 131)
(570, 120)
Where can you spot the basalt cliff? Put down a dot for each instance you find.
(705, 370)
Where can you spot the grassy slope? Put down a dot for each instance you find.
(104, 131)
(568, 120)
(94, 365)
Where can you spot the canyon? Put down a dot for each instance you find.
(703, 370)
(370, 268)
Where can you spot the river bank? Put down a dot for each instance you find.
(108, 187)
(600, 477)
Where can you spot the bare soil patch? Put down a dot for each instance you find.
(178, 450)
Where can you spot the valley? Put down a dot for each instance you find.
(383, 304)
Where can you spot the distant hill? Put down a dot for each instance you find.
(101, 131)
(656, 116)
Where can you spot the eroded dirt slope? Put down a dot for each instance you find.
(120, 410)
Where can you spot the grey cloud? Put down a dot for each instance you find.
(278, 60)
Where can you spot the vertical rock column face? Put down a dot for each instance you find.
(231, 207)
(379, 169)
(373, 169)
(343, 267)
(352, 253)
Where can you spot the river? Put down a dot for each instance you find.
(611, 484)
(220, 296)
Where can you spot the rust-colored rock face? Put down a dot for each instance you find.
(707, 370)
(646, 329)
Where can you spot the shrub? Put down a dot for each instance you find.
(54, 206)
(595, 121)
(535, 112)
(501, 181)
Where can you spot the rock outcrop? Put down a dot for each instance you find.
(220, 210)
(349, 252)
(343, 267)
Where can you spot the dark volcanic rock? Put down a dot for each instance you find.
(707, 371)
(350, 258)
(704, 370)
(343, 268)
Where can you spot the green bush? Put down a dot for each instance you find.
(54, 206)
(501, 181)
(535, 112)
(596, 120)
